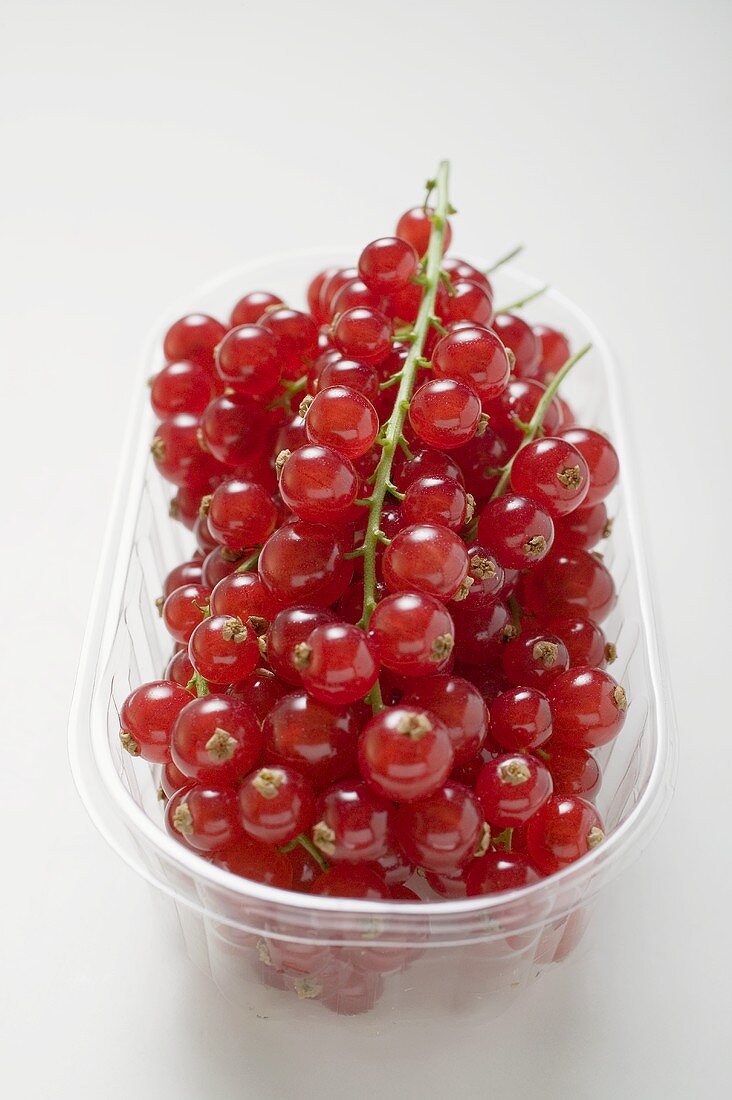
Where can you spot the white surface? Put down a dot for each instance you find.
(146, 146)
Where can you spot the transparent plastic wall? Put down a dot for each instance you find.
(283, 954)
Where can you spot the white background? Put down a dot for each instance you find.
(148, 144)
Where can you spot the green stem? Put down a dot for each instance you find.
(393, 433)
(306, 843)
(538, 418)
(504, 259)
(248, 563)
(512, 306)
(198, 684)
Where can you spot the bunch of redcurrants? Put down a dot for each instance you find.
(389, 665)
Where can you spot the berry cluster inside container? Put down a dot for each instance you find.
(388, 670)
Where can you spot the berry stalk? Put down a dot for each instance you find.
(538, 418)
(392, 435)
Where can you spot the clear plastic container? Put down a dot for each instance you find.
(287, 955)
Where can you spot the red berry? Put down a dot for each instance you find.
(427, 558)
(276, 804)
(498, 871)
(147, 718)
(289, 629)
(583, 528)
(405, 753)
(184, 609)
(339, 663)
(469, 301)
(570, 582)
(223, 650)
(249, 309)
(523, 342)
(521, 719)
(459, 706)
(534, 659)
(179, 669)
(518, 530)
(445, 413)
(415, 226)
(574, 771)
(318, 484)
(304, 562)
(413, 632)
(387, 264)
(172, 779)
(296, 339)
(553, 473)
(244, 596)
(441, 832)
(177, 454)
(354, 824)
(258, 862)
(473, 355)
(426, 462)
(261, 690)
(563, 830)
(241, 514)
(203, 817)
(511, 788)
(355, 293)
(584, 640)
(350, 374)
(180, 387)
(188, 572)
(554, 350)
(344, 420)
(194, 338)
(247, 360)
(351, 882)
(316, 739)
(601, 458)
(231, 429)
(480, 631)
(437, 500)
(363, 333)
(216, 739)
(588, 708)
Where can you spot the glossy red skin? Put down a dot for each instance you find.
(445, 413)
(570, 583)
(204, 538)
(601, 458)
(296, 338)
(554, 350)
(523, 342)
(213, 809)
(177, 454)
(314, 292)
(507, 525)
(405, 628)
(351, 882)
(181, 387)
(337, 279)
(319, 485)
(241, 514)
(172, 778)
(477, 458)
(304, 563)
(360, 377)
(304, 869)
(558, 834)
(480, 631)
(387, 264)
(585, 710)
(194, 338)
(222, 660)
(344, 420)
(363, 333)
(399, 766)
(476, 356)
(262, 690)
(438, 500)
(507, 804)
(251, 859)
(461, 269)
(289, 628)
(469, 301)
(148, 714)
(199, 721)
(441, 832)
(242, 595)
(362, 821)
(451, 884)
(584, 639)
(519, 401)
(460, 707)
(232, 428)
(528, 664)
(536, 473)
(279, 819)
(498, 871)
(249, 309)
(247, 360)
(356, 293)
(179, 669)
(521, 719)
(489, 578)
(583, 528)
(425, 558)
(188, 572)
(220, 563)
(184, 609)
(343, 664)
(316, 739)
(425, 462)
(574, 771)
(415, 226)
(350, 605)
